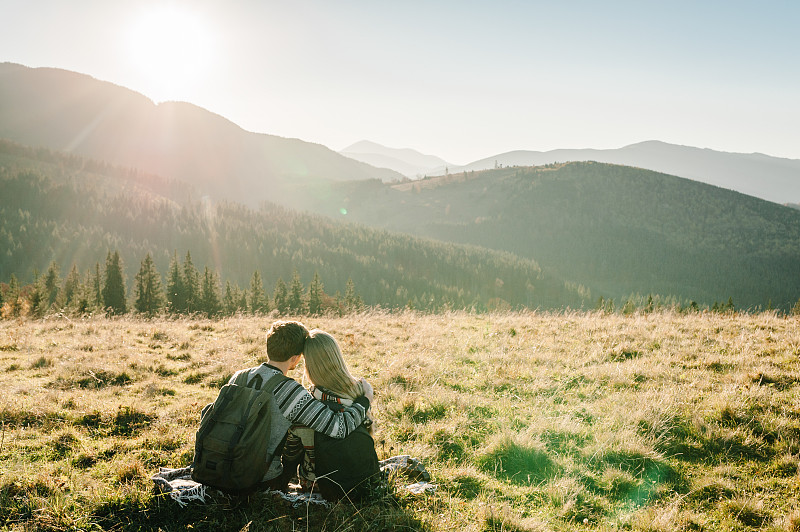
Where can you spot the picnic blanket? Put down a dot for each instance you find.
(179, 486)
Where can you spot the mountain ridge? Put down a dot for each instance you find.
(64, 110)
(775, 179)
(763, 176)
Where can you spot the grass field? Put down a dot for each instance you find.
(527, 421)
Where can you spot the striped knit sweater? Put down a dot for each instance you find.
(301, 408)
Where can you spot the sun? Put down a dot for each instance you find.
(171, 48)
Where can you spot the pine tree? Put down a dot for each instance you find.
(296, 303)
(96, 288)
(280, 296)
(258, 299)
(71, 291)
(85, 300)
(209, 294)
(12, 295)
(37, 299)
(13, 303)
(114, 285)
(315, 293)
(650, 305)
(191, 284)
(241, 304)
(352, 302)
(176, 292)
(601, 304)
(52, 282)
(149, 293)
(230, 300)
(729, 307)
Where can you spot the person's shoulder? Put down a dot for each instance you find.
(265, 370)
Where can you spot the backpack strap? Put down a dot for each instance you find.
(274, 381)
(241, 377)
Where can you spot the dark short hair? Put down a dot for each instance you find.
(285, 339)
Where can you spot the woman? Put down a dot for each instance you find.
(345, 461)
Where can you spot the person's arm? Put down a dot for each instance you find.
(300, 407)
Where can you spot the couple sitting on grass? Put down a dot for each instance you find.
(332, 416)
(266, 430)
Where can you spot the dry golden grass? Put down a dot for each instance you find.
(527, 421)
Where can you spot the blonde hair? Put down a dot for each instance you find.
(326, 368)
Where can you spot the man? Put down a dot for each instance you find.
(285, 342)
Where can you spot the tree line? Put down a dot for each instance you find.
(184, 291)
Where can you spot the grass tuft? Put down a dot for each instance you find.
(94, 380)
(195, 377)
(130, 472)
(41, 362)
(63, 444)
(709, 492)
(448, 446)
(129, 421)
(747, 511)
(160, 336)
(420, 411)
(791, 522)
(525, 462)
(464, 486)
(785, 466)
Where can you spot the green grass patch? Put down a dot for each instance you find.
(129, 421)
(420, 411)
(195, 377)
(521, 463)
(41, 363)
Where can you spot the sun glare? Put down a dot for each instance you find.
(172, 48)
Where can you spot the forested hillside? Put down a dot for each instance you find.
(100, 176)
(77, 218)
(617, 230)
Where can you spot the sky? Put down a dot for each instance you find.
(462, 80)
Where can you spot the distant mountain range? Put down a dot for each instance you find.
(72, 112)
(771, 178)
(410, 163)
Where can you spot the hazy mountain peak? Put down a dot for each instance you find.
(408, 162)
(364, 146)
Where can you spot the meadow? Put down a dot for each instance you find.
(527, 421)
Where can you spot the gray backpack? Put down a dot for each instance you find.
(239, 434)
